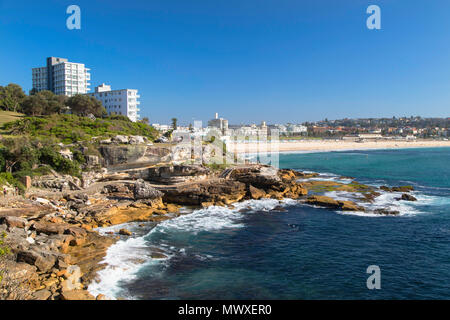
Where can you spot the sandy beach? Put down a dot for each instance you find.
(331, 145)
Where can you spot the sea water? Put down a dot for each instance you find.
(301, 252)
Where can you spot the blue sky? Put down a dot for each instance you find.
(249, 60)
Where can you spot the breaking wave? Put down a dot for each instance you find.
(126, 257)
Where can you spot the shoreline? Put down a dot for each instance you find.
(330, 146)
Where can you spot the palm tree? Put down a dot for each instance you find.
(174, 123)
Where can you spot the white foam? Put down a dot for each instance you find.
(126, 257)
(387, 200)
(123, 260)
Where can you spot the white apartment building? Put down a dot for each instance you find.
(122, 102)
(62, 77)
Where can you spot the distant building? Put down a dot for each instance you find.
(370, 136)
(219, 123)
(121, 102)
(161, 127)
(295, 129)
(61, 77)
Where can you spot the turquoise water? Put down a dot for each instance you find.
(304, 252)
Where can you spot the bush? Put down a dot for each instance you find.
(49, 156)
(72, 128)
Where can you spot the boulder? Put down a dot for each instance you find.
(386, 212)
(137, 140)
(407, 197)
(73, 276)
(403, 189)
(120, 139)
(255, 193)
(143, 190)
(44, 261)
(49, 228)
(76, 295)
(259, 176)
(16, 222)
(324, 201)
(43, 294)
(125, 232)
(210, 191)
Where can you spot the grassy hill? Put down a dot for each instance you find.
(72, 128)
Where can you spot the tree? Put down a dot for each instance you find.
(83, 105)
(174, 123)
(11, 97)
(145, 120)
(33, 105)
(43, 103)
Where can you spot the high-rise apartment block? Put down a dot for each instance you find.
(121, 102)
(62, 77)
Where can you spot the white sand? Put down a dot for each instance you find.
(332, 145)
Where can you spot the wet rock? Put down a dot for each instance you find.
(407, 197)
(279, 209)
(324, 201)
(397, 189)
(158, 255)
(386, 212)
(125, 232)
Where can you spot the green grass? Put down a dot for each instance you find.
(72, 128)
(8, 116)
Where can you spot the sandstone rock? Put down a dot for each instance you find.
(328, 202)
(120, 139)
(172, 208)
(407, 197)
(49, 228)
(16, 222)
(72, 282)
(125, 232)
(76, 295)
(44, 261)
(255, 193)
(350, 206)
(259, 176)
(43, 294)
(171, 174)
(158, 255)
(144, 190)
(403, 189)
(137, 140)
(214, 191)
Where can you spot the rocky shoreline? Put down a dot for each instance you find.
(55, 251)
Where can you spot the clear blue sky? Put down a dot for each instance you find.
(249, 60)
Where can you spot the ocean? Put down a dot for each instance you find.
(302, 252)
